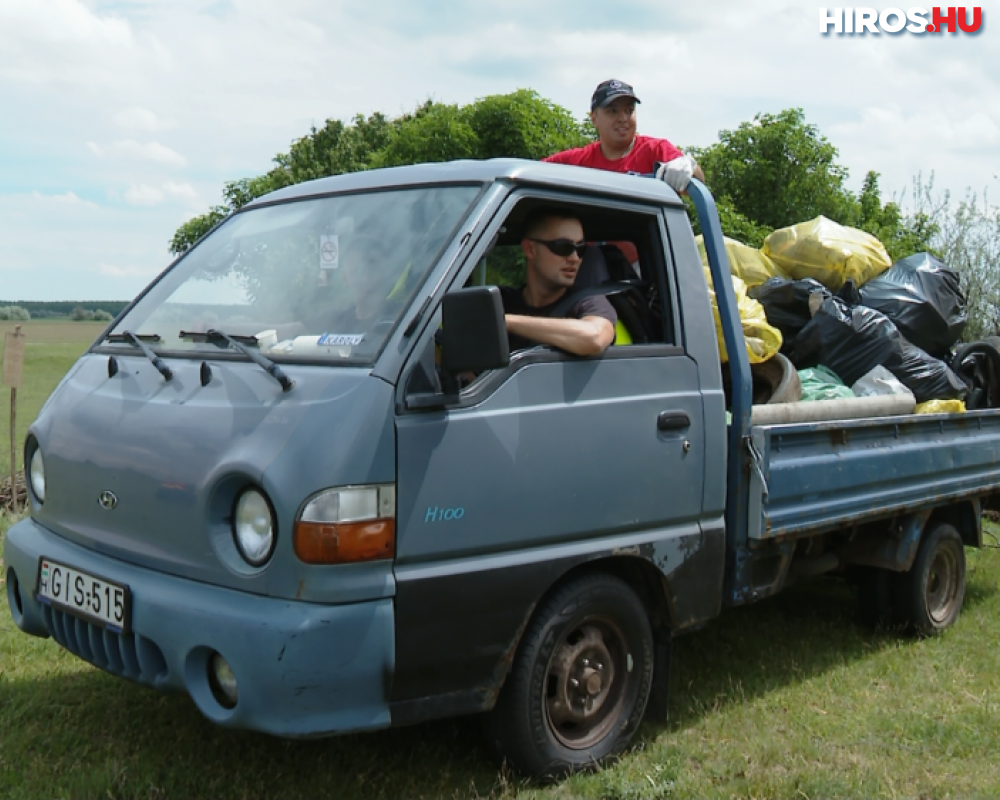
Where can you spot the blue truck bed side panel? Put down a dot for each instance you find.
(821, 476)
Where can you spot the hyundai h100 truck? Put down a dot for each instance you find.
(302, 479)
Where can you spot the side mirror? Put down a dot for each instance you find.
(474, 334)
(473, 338)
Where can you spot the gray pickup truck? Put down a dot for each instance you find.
(266, 485)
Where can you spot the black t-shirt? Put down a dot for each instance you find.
(514, 303)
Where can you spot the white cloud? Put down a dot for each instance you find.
(54, 246)
(143, 195)
(151, 151)
(895, 129)
(182, 191)
(169, 105)
(66, 198)
(64, 42)
(141, 119)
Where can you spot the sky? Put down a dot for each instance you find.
(120, 120)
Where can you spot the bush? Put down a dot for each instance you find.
(81, 314)
(14, 313)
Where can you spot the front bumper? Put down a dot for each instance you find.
(302, 669)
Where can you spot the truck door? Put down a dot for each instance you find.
(538, 465)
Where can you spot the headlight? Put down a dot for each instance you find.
(253, 528)
(36, 471)
(355, 523)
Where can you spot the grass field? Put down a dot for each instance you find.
(50, 350)
(788, 698)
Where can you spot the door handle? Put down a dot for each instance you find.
(672, 421)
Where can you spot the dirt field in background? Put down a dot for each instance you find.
(46, 331)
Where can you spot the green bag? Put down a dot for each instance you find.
(820, 383)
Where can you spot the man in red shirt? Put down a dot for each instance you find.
(620, 149)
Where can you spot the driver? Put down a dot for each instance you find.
(354, 298)
(553, 245)
(370, 275)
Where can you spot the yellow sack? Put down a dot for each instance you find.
(827, 252)
(762, 340)
(940, 407)
(747, 263)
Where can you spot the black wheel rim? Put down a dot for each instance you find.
(941, 589)
(586, 682)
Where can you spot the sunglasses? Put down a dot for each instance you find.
(564, 247)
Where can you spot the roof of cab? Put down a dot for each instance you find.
(516, 170)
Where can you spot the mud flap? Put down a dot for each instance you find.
(658, 706)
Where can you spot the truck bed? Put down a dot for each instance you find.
(812, 477)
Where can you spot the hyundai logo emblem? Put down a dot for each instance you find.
(107, 500)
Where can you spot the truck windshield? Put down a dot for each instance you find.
(325, 278)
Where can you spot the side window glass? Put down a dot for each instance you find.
(624, 263)
(504, 265)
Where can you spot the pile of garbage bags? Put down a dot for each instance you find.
(852, 323)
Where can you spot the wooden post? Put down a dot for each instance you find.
(13, 448)
(13, 366)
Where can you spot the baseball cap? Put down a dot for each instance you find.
(611, 90)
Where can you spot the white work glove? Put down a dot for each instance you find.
(677, 173)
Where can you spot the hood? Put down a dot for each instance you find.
(176, 454)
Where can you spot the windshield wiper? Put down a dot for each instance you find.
(216, 337)
(213, 337)
(139, 340)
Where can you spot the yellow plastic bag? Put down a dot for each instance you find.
(940, 407)
(762, 340)
(827, 252)
(747, 263)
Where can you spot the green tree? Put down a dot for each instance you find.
(519, 124)
(776, 170)
(966, 237)
(440, 133)
(523, 125)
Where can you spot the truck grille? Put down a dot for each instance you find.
(126, 655)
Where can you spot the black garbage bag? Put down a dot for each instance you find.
(786, 305)
(978, 364)
(924, 299)
(850, 293)
(853, 340)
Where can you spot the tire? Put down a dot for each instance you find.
(543, 725)
(993, 341)
(930, 594)
(775, 381)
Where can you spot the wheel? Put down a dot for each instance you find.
(930, 594)
(579, 683)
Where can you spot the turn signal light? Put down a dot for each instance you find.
(347, 525)
(344, 542)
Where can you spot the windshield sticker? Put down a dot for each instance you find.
(329, 251)
(339, 339)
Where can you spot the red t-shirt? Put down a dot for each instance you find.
(646, 151)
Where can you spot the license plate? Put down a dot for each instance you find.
(95, 599)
